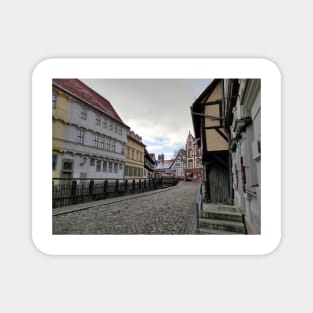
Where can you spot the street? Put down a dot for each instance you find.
(168, 211)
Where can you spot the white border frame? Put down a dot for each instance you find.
(156, 244)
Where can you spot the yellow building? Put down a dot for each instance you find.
(60, 111)
(134, 166)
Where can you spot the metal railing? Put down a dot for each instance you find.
(199, 205)
(73, 191)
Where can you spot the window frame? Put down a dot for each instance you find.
(98, 166)
(96, 140)
(81, 135)
(98, 120)
(54, 101)
(54, 161)
(83, 113)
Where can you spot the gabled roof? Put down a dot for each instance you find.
(82, 92)
(162, 166)
(198, 106)
(152, 156)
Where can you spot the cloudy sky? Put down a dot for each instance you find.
(158, 110)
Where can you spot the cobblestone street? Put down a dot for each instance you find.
(168, 211)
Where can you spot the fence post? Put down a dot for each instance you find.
(145, 184)
(73, 191)
(134, 185)
(126, 186)
(139, 185)
(149, 183)
(91, 188)
(116, 187)
(105, 188)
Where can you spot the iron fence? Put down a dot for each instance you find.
(72, 191)
(199, 205)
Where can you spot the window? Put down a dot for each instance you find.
(190, 164)
(54, 101)
(115, 167)
(108, 144)
(54, 161)
(111, 126)
(190, 153)
(98, 165)
(105, 166)
(126, 170)
(110, 167)
(98, 120)
(81, 135)
(67, 165)
(104, 123)
(83, 175)
(115, 128)
(96, 140)
(133, 153)
(92, 162)
(83, 113)
(122, 149)
(120, 131)
(120, 166)
(101, 143)
(113, 146)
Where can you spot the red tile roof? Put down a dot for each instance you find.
(84, 93)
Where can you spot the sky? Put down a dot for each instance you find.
(158, 110)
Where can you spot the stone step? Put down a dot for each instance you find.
(222, 215)
(222, 225)
(207, 231)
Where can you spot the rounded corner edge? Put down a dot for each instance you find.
(273, 65)
(41, 65)
(38, 247)
(275, 245)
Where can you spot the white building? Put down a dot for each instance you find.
(94, 136)
(179, 164)
(245, 146)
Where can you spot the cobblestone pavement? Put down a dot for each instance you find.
(171, 211)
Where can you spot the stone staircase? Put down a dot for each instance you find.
(220, 219)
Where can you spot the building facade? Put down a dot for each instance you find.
(134, 168)
(208, 124)
(227, 119)
(149, 165)
(89, 137)
(194, 166)
(179, 164)
(244, 112)
(164, 167)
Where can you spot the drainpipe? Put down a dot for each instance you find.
(226, 127)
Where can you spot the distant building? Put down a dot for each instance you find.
(194, 167)
(163, 167)
(149, 164)
(89, 137)
(179, 164)
(134, 168)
